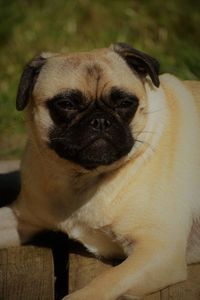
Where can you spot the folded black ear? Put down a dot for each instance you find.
(140, 62)
(28, 80)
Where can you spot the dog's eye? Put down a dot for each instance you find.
(66, 104)
(125, 104)
(131, 102)
(121, 100)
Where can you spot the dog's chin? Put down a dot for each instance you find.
(98, 153)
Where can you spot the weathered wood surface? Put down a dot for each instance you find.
(83, 269)
(26, 273)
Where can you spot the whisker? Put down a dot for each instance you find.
(144, 142)
(145, 131)
(57, 139)
(138, 133)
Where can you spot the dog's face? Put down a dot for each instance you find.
(88, 107)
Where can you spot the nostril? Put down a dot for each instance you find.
(95, 123)
(106, 123)
(100, 124)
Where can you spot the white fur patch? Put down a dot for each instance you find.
(75, 233)
(9, 235)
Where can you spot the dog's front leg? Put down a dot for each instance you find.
(152, 266)
(9, 235)
(16, 228)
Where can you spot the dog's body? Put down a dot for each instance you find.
(143, 200)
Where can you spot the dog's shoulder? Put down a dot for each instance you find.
(178, 89)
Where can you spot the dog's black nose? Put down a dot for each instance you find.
(100, 124)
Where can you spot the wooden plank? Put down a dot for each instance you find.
(26, 273)
(83, 269)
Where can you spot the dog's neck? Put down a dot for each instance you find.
(59, 184)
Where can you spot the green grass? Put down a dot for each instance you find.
(168, 30)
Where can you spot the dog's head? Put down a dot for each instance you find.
(88, 107)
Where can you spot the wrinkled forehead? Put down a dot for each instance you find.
(93, 73)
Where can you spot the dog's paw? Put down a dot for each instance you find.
(75, 296)
(9, 235)
(84, 294)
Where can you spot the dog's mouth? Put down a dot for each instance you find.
(92, 150)
(99, 151)
(98, 143)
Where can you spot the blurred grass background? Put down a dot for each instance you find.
(168, 30)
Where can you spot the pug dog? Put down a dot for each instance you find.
(112, 159)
